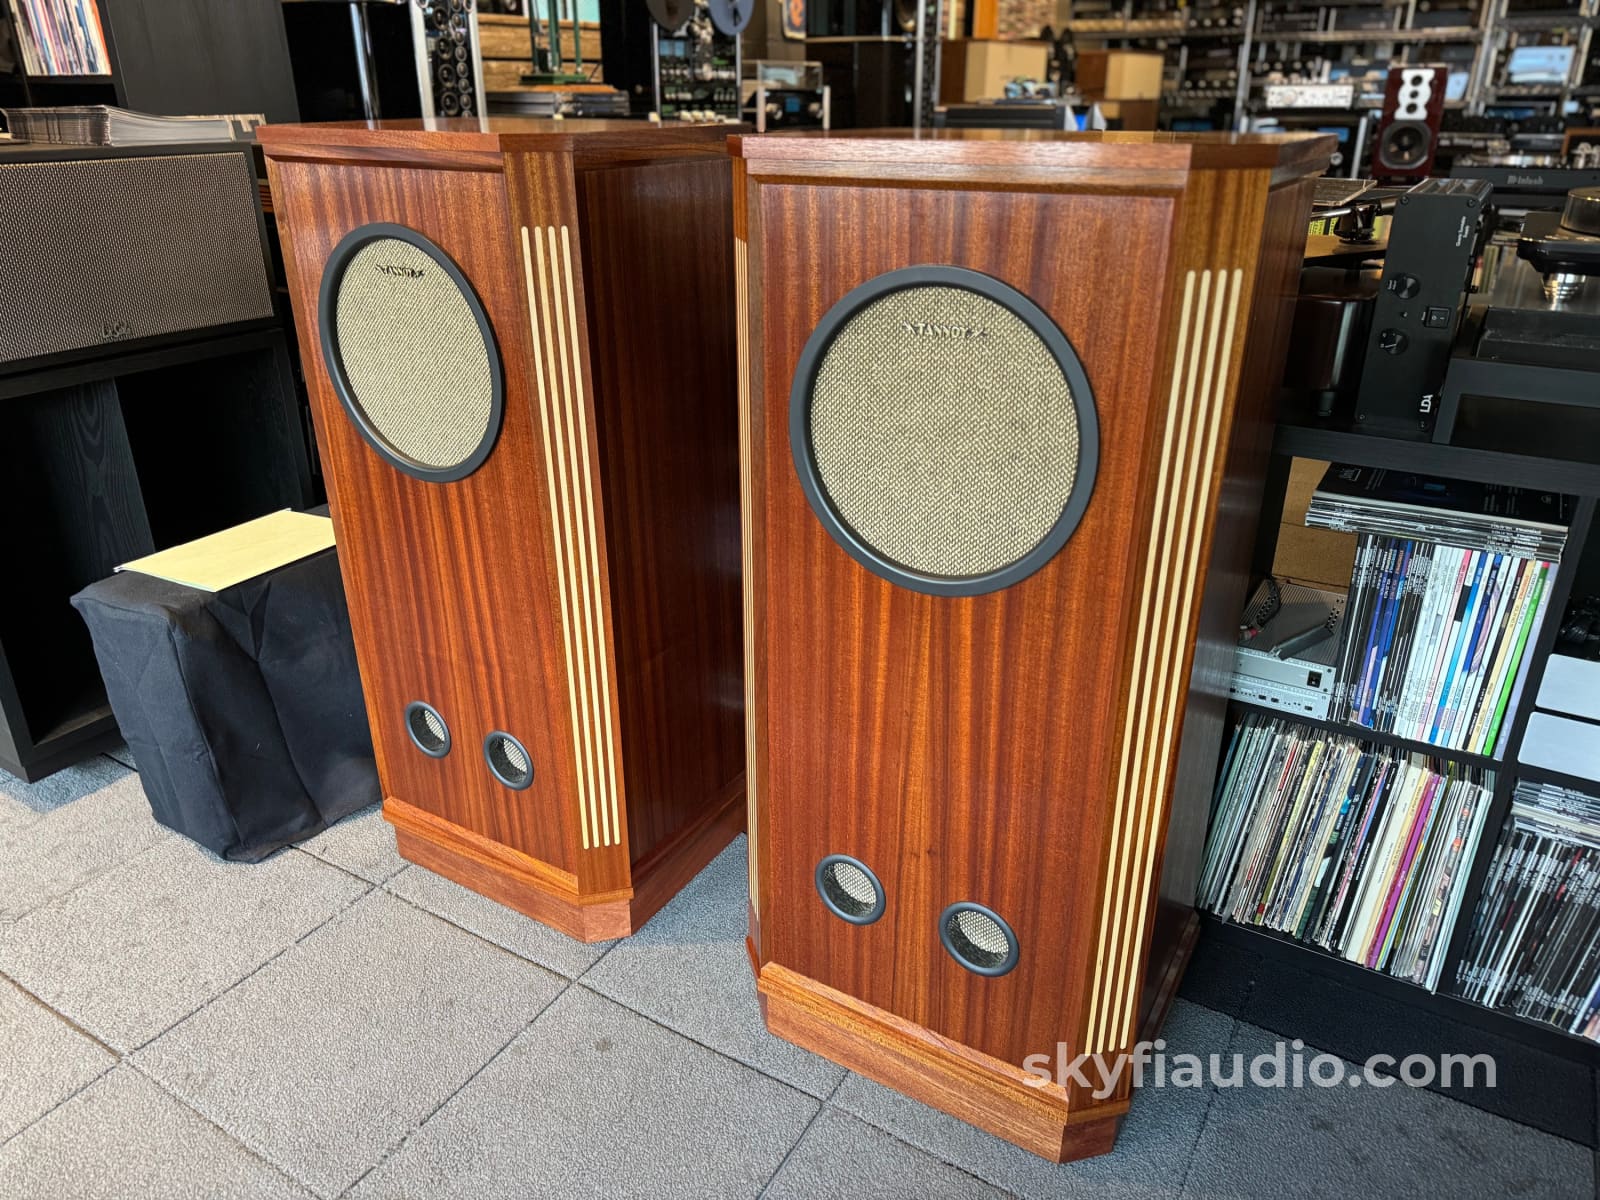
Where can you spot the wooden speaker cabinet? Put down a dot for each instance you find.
(518, 340)
(1006, 408)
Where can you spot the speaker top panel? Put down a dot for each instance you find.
(1117, 158)
(410, 352)
(944, 430)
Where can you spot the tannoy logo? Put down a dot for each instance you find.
(402, 272)
(930, 329)
(115, 331)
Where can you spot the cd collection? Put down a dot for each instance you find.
(1436, 640)
(1360, 849)
(1534, 947)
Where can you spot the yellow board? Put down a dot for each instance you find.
(243, 552)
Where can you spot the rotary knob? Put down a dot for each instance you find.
(1582, 211)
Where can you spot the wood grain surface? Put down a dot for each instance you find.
(578, 590)
(1019, 748)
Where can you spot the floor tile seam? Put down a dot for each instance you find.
(10, 921)
(689, 1037)
(258, 1153)
(256, 970)
(399, 1143)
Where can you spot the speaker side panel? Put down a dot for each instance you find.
(959, 747)
(657, 242)
(1281, 214)
(451, 586)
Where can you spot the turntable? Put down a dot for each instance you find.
(1533, 346)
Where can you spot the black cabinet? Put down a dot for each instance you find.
(107, 460)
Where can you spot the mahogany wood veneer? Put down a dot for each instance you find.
(1047, 749)
(580, 588)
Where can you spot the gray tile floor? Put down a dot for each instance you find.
(334, 1022)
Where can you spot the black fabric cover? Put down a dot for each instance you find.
(243, 708)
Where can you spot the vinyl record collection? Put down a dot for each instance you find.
(61, 37)
(1450, 584)
(1534, 948)
(1360, 849)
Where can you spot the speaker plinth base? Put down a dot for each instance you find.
(549, 895)
(913, 1060)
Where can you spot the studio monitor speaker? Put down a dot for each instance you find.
(1006, 402)
(1408, 130)
(519, 344)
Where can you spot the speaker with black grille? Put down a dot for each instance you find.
(1408, 131)
(519, 344)
(405, 58)
(1007, 401)
(107, 246)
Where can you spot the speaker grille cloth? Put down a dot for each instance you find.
(944, 431)
(514, 757)
(413, 354)
(853, 882)
(982, 932)
(97, 251)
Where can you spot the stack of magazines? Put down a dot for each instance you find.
(1436, 640)
(1450, 586)
(1359, 849)
(102, 125)
(1534, 948)
(1454, 512)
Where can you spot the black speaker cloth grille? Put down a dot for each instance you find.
(103, 250)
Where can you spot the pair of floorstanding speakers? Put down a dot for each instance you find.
(980, 422)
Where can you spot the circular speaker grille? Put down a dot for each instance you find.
(944, 430)
(978, 939)
(428, 731)
(410, 352)
(849, 889)
(1405, 144)
(508, 760)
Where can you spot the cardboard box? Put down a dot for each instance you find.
(1119, 75)
(971, 69)
(1132, 114)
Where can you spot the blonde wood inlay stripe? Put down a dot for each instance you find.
(608, 739)
(1165, 632)
(1161, 635)
(577, 451)
(741, 283)
(599, 813)
(1155, 633)
(1217, 386)
(557, 521)
(1093, 1036)
(563, 459)
(558, 371)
